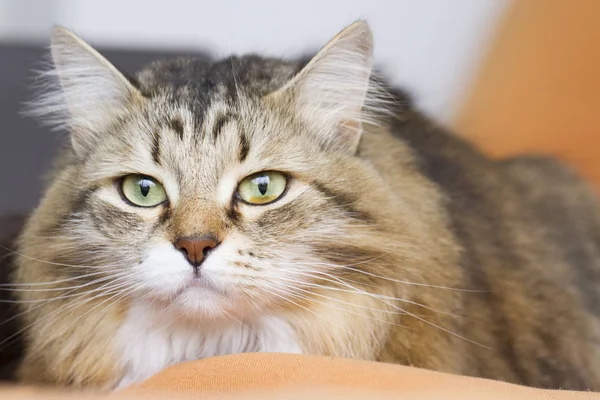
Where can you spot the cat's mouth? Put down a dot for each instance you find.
(200, 283)
(200, 298)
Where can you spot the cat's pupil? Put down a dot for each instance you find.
(262, 184)
(144, 188)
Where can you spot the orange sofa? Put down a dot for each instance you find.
(282, 376)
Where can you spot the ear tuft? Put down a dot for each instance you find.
(334, 90)
(83, 92)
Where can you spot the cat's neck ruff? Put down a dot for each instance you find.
(151, 339)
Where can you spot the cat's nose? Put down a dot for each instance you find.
(195, 249)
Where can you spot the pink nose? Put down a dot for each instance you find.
(195, 248)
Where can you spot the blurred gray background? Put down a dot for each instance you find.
(430, 47)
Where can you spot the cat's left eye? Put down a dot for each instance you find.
(262, 188)
(142, 191)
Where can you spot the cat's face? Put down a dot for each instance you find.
(243, 210)
(182, 180)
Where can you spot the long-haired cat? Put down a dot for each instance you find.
(260, 205)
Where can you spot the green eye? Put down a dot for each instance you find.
(143, 191)
(262, 188)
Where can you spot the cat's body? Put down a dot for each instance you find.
(399, 244)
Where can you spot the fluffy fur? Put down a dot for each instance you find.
(395, 241)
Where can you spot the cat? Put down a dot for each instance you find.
(254, 204)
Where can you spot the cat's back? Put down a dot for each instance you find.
(562, 213)
(567, 211)
(529, 229)
(495, 200)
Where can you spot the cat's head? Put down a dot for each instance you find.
(219, 188)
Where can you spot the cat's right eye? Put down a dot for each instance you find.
(142, 191)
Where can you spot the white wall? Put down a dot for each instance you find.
(432, 47)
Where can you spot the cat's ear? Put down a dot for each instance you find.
(331, 90)
(88, 93)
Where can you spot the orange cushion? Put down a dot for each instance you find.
(282, 376)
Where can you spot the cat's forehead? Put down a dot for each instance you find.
(193, 147)
(197, 144)
(209, 110)
(200, 82)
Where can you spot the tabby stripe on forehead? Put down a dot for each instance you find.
(220, 121)
(176, 124)
(244, 146)
(344, 202)
(156, 147)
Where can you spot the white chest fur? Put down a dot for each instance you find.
(149, 341)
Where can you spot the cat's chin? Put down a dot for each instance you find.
(199, 300)
(200, 303)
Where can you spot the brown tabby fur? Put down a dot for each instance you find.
(458, 263)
